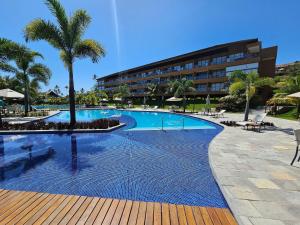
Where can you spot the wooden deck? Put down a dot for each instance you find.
(18, 207)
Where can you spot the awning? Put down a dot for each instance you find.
(8, 93)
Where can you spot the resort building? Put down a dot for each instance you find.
(208, 68)
(283, 69)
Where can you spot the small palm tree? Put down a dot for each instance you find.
(67, 37)
(28, 72)
(247, 82)
(180, 88)
(122, 92)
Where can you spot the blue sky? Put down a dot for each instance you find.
(150, 30)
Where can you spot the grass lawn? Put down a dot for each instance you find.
(290, 115)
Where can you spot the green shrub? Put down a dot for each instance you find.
(232, 103)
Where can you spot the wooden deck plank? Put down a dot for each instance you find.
(149, 213)
(3, 192)
(118, 214)
(111, 212)
(92, 217)
(189, 215)
(229, 217)
(31, 217)
(67, 201)
(30, 210)
(26, 208)
(126, 212)
(88, 211)
(80, 211)
(221, 215)
(103, 211)
(50, 210)
(23, 210)
(165, 214)
(173, 215)
(10, 200)
(13, 205)
(13, 210)
(142, 214)
(59, 216)
(198, 216)
(213, 216)
(157, 214)
(205, 216)
(181, 215)
(134, 213)
(67, 217)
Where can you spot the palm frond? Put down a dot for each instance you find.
(7, 68)
(40, 29)
(40, 72)
(60, 14)
(237, 87)
(78, 24)
(89, 48)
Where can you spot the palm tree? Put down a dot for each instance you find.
(57, 90)
(9, 50)
(28, 72)
(248, 83)
(68, 38)
(288, 84)
(122, 92)
(180, 88)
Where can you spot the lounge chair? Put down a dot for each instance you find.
(155, 107)
(219, 114)
(257, 122)
(297, 135)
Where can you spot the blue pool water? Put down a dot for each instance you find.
(149, 165)
(143, 120)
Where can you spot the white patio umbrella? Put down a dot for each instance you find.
(295, 95)
(174, 99)
(117, 99)
(104, 100)
(8, 93)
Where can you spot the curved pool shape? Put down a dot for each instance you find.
(143, 120)
(150, 165)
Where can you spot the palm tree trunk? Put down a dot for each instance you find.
(71, 96)
(26, 97)
(162, 101)
(247, 108)
(184, 103)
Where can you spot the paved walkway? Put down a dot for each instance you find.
(253, 170)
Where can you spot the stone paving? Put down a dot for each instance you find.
(254, 173)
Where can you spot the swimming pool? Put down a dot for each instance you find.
(143, 120)
(150, 165)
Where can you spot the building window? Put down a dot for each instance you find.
(218, 73)
(202, 63)
(201, 76)
(218, 87)
(235, 57)
(247, 68)
(219, 60)
(201, 87)
(189, 66)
